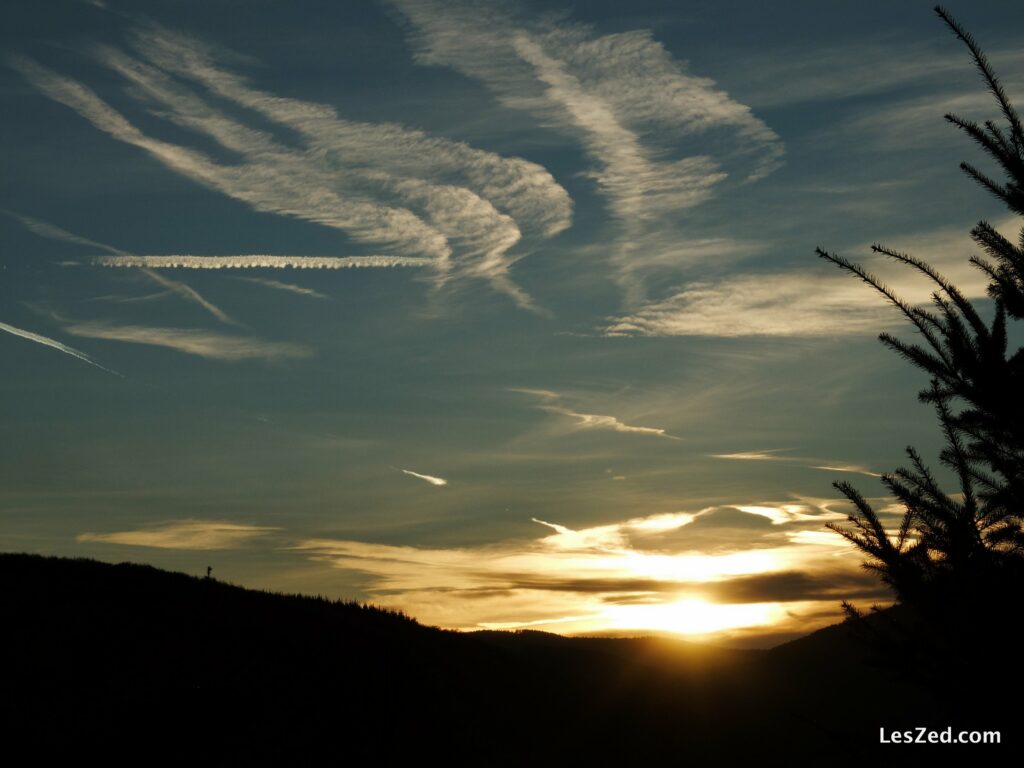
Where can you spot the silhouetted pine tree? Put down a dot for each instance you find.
(956, 562)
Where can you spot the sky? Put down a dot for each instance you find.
(504, 314)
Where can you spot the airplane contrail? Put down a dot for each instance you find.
(259, 261)
(53, 232)
(429, 478)
(53, 344)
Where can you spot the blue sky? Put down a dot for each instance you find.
(505, 314)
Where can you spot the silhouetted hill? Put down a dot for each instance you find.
(100, 656)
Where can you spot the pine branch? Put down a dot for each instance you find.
(951, 290)
(895, 300)
(1016, 130)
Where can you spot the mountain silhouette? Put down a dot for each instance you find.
(104, 656)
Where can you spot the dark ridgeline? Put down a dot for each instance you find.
(116, 658)
(956, 562)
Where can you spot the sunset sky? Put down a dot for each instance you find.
(506, 314)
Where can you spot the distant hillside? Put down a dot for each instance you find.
(97, 653)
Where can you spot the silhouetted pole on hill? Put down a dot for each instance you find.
(955, 562)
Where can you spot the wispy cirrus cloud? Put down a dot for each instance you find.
(185, 534)
(816, 301)
(193, 341)
(46, 341)
(769, 455)
(120, 299)
(277, 285)
(784, 513)
(834, 73)
(52, 232)
(781, 304)
(856, 469)
(189, 293)
(459, 209)
(552, 402)
(776, 454)
(914, 122)
(913, 119)
(601, 421)
(623, 96)
(615, 535)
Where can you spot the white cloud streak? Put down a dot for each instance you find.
(782, 514)
(460, 208)
(185, 535)
(277, 285)
(818, 301)
(53, 344)
(428, 478)
(615, 536)
(551, 403)
(795, 76)
(599, 421)
(207, 344)
(622, 95)
(261, 261)
(793, 304)
(856, 469)
(119, 299)
(912, 123)
(773, 455)
(262, 185)
(190, 294)
(51, 232)
(752, 456)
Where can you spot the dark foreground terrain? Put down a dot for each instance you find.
(131, 659)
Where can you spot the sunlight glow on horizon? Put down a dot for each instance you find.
(692, 616)
(612, 578)
(635, 576)
(615, 577)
